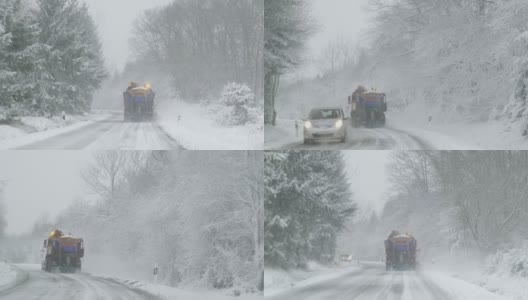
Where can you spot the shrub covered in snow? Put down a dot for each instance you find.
(512, 262)
(236, 107)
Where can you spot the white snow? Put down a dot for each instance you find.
(415, 285)
(9, 132)
(461, 135)
(283, 133)
(9, 276)
(462, 289)
(197, 131)
(494, 277)
(277, 281)
(44, 128)
(170, 293)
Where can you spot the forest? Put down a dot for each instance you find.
(456, 60)
(198, 215)
(199, 46)
(469, 204)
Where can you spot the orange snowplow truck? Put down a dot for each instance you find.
(62, 253)
(400, 250)
(367, 108)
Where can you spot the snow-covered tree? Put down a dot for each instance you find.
(199, 215)
(237, 106)
(18, 49)
(50, 57)
(72, 64)
(307, 202)
(474, 200)
(287, 29)
(202, 45)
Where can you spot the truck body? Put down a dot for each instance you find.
(400, 252)
(367, 108)
(62, 253)
(138, 104)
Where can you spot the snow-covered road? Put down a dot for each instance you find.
(394, 136)
(42, 285)
(370, 139)
(108, 134)
(371, 281)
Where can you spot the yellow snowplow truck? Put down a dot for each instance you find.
(367, 108)
(400, 251)
(138, 102)
(62, 253)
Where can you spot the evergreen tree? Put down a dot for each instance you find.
(73, 67)
(18, 48)
(50, 60)
(307, 202)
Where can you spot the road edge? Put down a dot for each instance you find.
(20, 278)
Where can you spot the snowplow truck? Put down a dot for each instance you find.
(138, 103)
(62, 253)
(400, 252)
(367, 108)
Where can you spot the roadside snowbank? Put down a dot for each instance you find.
(195, 130)
(283, 133)
(33, 129)
(507, 273)
(490, 135)
(279, 280)
(9, 276)
(495, 275)
(461, 288)
(170, 293)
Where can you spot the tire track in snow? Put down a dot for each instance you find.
(110, 134)
(386, 138)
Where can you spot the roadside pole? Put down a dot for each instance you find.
(296, 128)
(155, 271)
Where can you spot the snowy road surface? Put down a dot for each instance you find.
(373, 282)
(42, 285)
(394, 136)
(370, 139)
(108, 134)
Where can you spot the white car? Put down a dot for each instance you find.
(346, 257)
(325, 124)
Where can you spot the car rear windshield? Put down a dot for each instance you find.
(317, 114)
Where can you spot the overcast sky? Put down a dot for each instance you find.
(338, 19)
(367, 172)
(39, 182)
(115, 19)
(343, 19)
